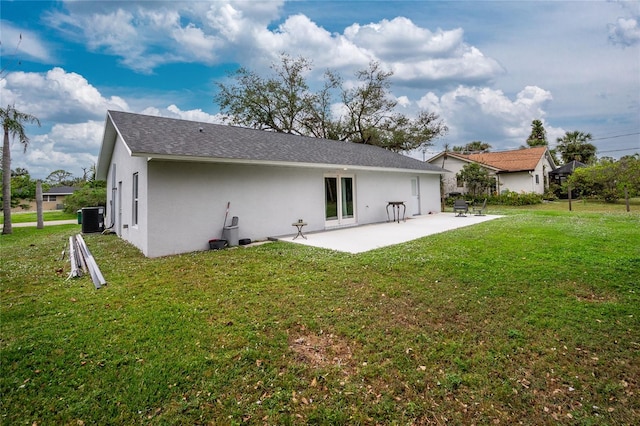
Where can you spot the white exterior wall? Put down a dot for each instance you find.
(520, 182)
(513, 181)
(450, 181)
(525, 182)
(375, 190)
(187, 201)
(120, 221)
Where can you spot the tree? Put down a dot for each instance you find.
(538, 136)
(609, 180)
(22, 188)
(284, 103)
(280, 103)
(475, 146)
(92, 193)
(13, 125)
(476, 178)
(60, 178)
(575, 146)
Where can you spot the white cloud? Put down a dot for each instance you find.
(299, 36)
(196, 42)
(72, 113)
(172, 111)
(69, 147)
(66, 147)
(20, 44)
(146, 35)
(56, 94)
(77, 137)
(398, 38)
(471, 65)
(403, 101)
(476, 113)
(625, 31)
(155, 34)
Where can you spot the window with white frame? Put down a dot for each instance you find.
(134, 213)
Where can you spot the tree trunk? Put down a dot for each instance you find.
(6, 183)
(39, 204)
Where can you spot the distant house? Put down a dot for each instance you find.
(169, 182)
(53, 199)
(560, 175)
(522, 170)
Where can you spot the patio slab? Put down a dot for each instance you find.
(363, 238)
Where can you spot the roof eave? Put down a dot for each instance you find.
(109, 139)
(106, 149)
(241, 161)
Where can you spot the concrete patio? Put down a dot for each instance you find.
(359, 239)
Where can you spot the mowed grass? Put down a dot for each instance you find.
(533, 318)
(26, 217)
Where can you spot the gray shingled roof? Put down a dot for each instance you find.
(167, 137)
(568, 168)
(61, 190)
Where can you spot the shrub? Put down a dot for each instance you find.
(93, 193)
(510, 198)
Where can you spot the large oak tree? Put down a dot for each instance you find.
(364, 112)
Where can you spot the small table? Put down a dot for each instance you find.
(395, 205)
(299, 225)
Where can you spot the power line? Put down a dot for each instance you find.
(617, 150)
(616, 136)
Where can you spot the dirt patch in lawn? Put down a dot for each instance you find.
(322, 350)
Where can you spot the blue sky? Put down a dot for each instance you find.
(488, 68)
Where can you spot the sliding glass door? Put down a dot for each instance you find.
(339, 199)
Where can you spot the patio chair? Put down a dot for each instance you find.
(460, 207)
(479, 211)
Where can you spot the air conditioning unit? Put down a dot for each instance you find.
(92, 219)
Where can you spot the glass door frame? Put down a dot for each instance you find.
(341, 218)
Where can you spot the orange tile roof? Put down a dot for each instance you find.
(509, 161)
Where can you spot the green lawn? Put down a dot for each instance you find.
(47, 216)
(532, 318)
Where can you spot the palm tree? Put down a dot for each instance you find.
(13, 124)
(538, 136)
(575, 146)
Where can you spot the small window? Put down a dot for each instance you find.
(134, 218)
(537, 179)
(459, 181)
(49, 198)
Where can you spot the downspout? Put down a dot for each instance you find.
(112, 202)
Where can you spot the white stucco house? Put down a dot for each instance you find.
(169, 182)
(522, 170)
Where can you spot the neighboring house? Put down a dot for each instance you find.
(560, 175)
(53, 199)
(522, 170)
(169, 182)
